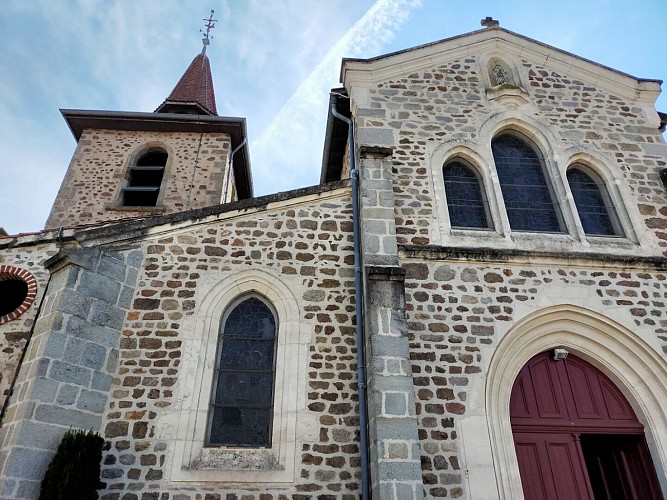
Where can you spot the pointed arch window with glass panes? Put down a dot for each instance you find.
(596, 210)
(528, 196)
(466, 200)
(241, 408)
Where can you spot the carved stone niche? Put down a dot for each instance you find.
(504, 88)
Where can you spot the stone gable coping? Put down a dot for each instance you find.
(139, 226)
(355, 72)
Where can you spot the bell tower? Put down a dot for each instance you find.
(181, 157)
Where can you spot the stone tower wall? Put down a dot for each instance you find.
(91, 190)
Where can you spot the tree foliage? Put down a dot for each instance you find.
(74, 471)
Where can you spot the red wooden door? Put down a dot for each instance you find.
(576, 436)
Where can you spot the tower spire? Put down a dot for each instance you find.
(194, 94)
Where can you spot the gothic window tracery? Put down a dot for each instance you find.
(528, 199)
(596, 212)
(242, 400)
(465, 199)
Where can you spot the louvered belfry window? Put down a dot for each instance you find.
(144, 180)
(528, 199)
(465, 201)
(242, 400)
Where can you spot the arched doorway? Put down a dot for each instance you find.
(576, 436)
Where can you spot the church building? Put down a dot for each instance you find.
(470, 304)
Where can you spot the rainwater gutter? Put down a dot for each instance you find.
(359, 306)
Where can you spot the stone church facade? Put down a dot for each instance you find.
(509, 204)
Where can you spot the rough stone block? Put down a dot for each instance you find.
(28, 489)
(44, 390)
(112, 361)
(389, 345)
(55, 345)
(101, 381)
(111, 267)
(39, 435)
(107, 315)
(92, 401)
(73, 350)
(93, 356)
(399, 471)
(69, 373)
(74, 303)
(8, 488)
(395, 429)
(67, 395)
(135, 258)
(28, 463)
(375, 136)
(395, 404)
(101, 335)
(125, 297)
(66, 416)
(49, 322)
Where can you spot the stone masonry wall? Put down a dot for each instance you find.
(449, 103)
(309, 246)
(65, 377)
(91, 189)
(15, 334)
(455, 311)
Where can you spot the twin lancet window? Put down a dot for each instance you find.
(529, 200)
(144, 179)
(241, 409)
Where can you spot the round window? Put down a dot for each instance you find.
(17, 292)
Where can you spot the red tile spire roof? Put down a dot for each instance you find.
(194, 88)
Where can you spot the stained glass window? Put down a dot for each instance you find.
(465, 201)
(528, 200)
(593, 206)
(242, 399)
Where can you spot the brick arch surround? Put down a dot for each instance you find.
(634, 366)
(11, 272)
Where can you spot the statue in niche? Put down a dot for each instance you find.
(500, 75)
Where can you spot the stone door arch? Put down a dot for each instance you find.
(630, 360)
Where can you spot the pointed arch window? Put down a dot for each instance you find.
(144, 179)
(465, 197)
(596, 212)
(528, 199)
(241, 406)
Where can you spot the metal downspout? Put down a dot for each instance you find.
(359, 306)
(229, 168)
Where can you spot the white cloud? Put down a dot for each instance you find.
(288, 152)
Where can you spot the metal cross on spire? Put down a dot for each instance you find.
(210, 24)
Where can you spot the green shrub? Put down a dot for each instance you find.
(74, 472)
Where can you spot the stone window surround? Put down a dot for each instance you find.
(631, 360)
(132, 158)
(192, 461)
(602, 185)
(557, 160)
(29, 279)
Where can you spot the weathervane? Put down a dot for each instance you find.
(210, 24)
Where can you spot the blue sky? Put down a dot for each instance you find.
(273, 62)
